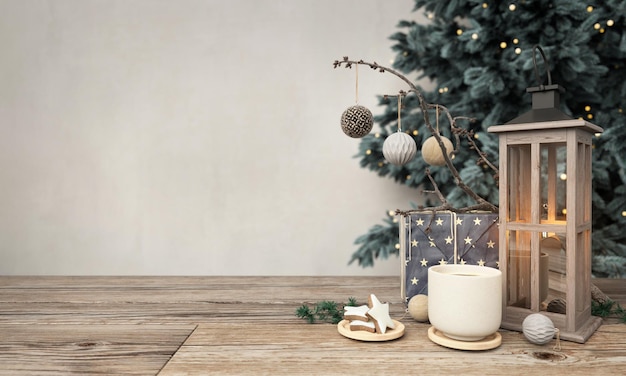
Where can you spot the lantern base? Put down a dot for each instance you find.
(580, 336)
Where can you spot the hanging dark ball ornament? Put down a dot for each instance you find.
(399, 148)
(357, 121)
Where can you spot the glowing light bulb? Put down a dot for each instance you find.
(563, 176)
(610, 23)
(459, 31)
(368, 152)
(515, 41)
(503, 45)
(589, 9)
(475, 36)
(564, 211)
(518, 50)
(624, 213)
(512, 7)
(485, 5)
(587, 108)
(397, 246)
(597, 26)
(415, 132)
(589, 116)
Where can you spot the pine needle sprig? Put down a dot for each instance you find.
(608, 308)
(324, 311)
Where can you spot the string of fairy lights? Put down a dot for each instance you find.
(516, 45)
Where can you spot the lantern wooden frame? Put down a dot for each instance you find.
(527, 177)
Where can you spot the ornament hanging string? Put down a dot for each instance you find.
(557, 346)
(399, 111)
(356, 95)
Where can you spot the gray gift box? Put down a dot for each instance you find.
(430, 238)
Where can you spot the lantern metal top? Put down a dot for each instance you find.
(546, 101)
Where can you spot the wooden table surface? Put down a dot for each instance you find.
(246, 325)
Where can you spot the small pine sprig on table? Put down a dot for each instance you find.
(608, 308)
(324, 311)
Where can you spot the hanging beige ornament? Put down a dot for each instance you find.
(538, 329)
(357, 121)
(399, 148)
(431, 151)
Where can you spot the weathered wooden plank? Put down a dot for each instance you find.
(126, 325)
(88, 349)
(182, 289)
(252, 348)
(226, 289)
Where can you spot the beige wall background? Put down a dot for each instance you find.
(189, 137)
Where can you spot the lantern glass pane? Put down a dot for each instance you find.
(553, 182)
(519, 183)
(553, 247)
(518, 273)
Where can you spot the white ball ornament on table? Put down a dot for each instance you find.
(399, 148)
(538, 328)
(357, 121)
(431, 151)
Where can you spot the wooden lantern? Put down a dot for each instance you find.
(545, 217)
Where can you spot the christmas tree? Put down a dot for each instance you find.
(479, 55)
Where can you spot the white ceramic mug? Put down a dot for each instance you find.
(465, 301)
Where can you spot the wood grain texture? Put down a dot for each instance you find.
(246, 325)
(259, 349)
(88, 349)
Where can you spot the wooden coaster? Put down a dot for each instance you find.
(487, 343)
(344, 329)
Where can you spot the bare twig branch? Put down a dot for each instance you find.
(424, 106)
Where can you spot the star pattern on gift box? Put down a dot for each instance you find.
(439, 238)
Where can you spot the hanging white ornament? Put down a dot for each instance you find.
(357, 121)
(538, 329)
(432, 153)
(399, 148)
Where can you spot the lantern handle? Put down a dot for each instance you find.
(545, 63)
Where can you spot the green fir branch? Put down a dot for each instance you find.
(324, 311)
(607, 309)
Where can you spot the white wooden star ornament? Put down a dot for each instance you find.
(356, 313)
(379, 312)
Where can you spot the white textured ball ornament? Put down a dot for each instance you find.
(431, 152)
(357, 121)
(399, 148)
(538, 329)
(418, 307)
